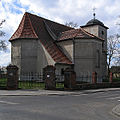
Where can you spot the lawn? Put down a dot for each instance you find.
(36, 85)
(31, 85)
(3, 82)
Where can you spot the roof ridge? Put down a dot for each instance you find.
(31, 25)
(77, 32)
(50, 31)
(48, 20)
(68, 30)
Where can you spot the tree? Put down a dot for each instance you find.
(3, 44)
(113, 50)
(71, 24)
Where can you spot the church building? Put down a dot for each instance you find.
(39, 42)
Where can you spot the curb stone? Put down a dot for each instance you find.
(50, 92)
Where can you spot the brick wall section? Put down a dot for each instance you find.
(12, 77)
(111, 77)
(70, 78)
(49, 77)
(94, 77)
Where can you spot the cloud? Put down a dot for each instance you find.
(5, 57)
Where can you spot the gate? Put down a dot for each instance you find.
(59, 80)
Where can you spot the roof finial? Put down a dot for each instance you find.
(94, 8)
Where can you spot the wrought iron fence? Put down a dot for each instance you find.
(59, 81)
(83, 79)
(116, 77)
(3, 81)
(36, 80)
(31, 81)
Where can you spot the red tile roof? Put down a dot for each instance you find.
(36, 27)
(25, 29)
(76, 33)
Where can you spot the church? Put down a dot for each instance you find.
(39, 42)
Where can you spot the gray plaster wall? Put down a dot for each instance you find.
(43, 58)
(99, 31)
(30, 55)
(86, 57)
(92, 29)
(16, 53)
(67, 48)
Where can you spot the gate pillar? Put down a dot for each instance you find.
(69, 78)
(94, 77)
(12, 77)
(49, 77)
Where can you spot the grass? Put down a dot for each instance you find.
(36, 85)
(114, 80)
(31, 85)
(3, 82)
(59, 85)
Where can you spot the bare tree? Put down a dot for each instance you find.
(3, 44)
(113, 50)
(71, 24)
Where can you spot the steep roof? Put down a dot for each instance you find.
(46, 31)
(77, 33)
(25, 29)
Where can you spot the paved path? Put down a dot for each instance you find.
(60, 105)
(115, 110)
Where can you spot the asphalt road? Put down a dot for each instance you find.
(88, 106)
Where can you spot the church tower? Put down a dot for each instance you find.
(97, 28)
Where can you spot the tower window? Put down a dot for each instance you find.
(102, 32)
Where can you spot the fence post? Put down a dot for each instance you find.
(111, 77)
(94, 77)
(49, 77)
(12, 77)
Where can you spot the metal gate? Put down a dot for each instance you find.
(59, 81)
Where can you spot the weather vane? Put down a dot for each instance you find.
(94, 10)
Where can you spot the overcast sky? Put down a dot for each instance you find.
(78, 11)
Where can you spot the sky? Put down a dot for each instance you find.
(61, 11)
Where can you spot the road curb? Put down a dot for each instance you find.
(50, 92)
(116, 110)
